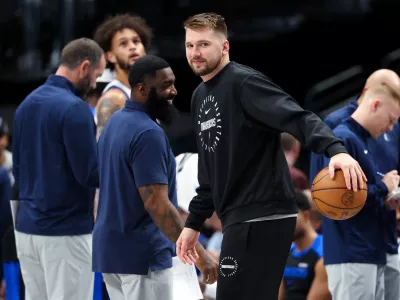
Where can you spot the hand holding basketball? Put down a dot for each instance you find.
(353, 174)
(333, 199)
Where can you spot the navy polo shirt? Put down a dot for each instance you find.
(55, 161)
(358, 239)
(386, 147)
(133, 152)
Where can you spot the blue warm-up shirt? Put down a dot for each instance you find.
(386, 147)
(358, 239)
(133, 152)
(55, 161)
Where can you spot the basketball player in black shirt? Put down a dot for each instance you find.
(305, 276)
(238, 115)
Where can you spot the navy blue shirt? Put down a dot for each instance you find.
(358, 239)
(55, 161)
(133, 152)
(386, 147)
(299, 271)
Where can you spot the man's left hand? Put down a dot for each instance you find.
(352, 171)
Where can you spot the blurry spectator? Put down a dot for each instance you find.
(305, 275)
(291, 148)
(5, 218)
(186, 184)
(315, 215)
(5, 155)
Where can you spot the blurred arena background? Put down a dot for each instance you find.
(319, 51)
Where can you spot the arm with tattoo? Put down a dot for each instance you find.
(109, 103)
(162, 211)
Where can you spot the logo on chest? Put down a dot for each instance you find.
(209, 122)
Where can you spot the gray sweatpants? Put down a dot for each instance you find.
(352, 281)
(155, 285)
(392, 277)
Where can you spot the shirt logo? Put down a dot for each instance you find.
(366, 151)
(210, 124)
(386, 137)
(228, 266)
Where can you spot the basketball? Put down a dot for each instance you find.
(332, 198)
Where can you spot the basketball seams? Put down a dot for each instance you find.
(315, 182)
(337, 188)
(344, 208)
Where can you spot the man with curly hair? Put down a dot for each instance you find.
(124, 39)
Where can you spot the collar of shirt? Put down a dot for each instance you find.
(62, 82)
(357, 128)
(134, 105)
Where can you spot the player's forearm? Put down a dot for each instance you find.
(166, 217)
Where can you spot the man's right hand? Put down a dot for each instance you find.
(391, 180)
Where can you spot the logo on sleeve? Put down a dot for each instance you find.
(210, 124)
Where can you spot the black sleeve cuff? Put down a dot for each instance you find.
(194, 222)
(335, 148)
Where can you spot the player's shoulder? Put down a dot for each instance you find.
(111, 97)
(343, 131)
(318, 245)
(336, 117)
(243, 73)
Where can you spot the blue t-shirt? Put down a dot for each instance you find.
(386, 147)
(133, 152)
(359, 239)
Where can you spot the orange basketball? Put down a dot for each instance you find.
(332, 198)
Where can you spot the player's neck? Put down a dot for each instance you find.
(67, 73)
(122, 76)
(360, 118)
(225, 60)
(306, 241)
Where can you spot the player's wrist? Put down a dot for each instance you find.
(194, 222)
(336, 148)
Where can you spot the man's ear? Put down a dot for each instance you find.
(111, 57)
(84, 69)
(143, 89)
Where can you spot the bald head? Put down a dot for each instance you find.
(383, 76)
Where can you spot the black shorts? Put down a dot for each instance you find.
(252, 260)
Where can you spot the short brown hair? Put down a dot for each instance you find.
(77, 51)
(207, 20)
(106, 31)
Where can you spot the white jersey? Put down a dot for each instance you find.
(186, 178)
(116, 84)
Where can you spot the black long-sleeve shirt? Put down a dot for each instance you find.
(238, 117)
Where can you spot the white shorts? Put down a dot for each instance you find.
(353, 281)
(392, 277)
(56, 267)
(155, 285)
